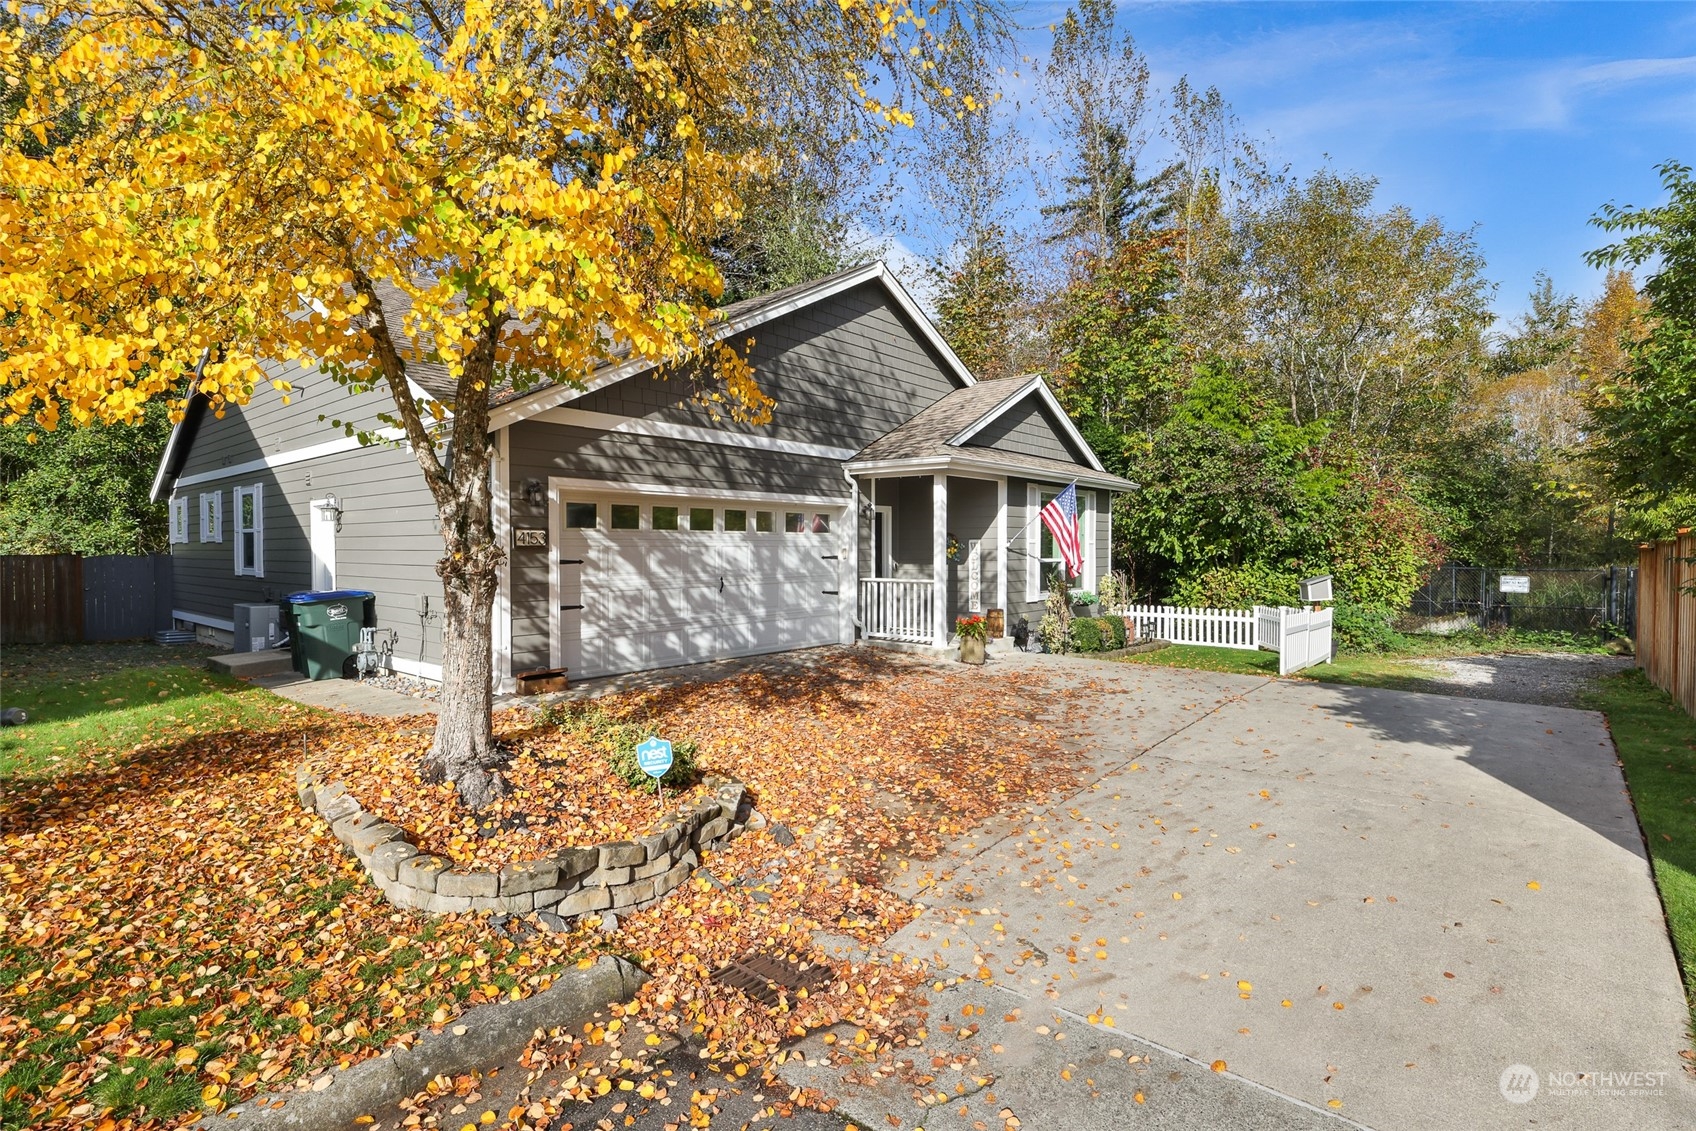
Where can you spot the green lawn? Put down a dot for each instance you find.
(1657, 743)
(1369, 670)
(80, 715)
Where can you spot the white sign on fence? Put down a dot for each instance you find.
(1515, 583)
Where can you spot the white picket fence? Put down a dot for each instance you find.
(1222, 628)
(1301, 637)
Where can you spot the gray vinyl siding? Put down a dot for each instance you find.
(538, 450)
(1019, 562)
(387, 542)
(1026, 429)
(842, 372)
(972, 513)
(265, 426)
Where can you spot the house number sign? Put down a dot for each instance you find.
(530, 537)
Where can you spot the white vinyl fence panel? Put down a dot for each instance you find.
(1301, 637)
(1304, 639)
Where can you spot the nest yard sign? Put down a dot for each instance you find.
(654, 756)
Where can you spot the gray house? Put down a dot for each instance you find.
(890, 493)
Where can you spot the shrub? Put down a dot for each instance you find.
(1115, 628)
(1366, 628)
(618, 739)
(1086, 635)
(1237, 587)
(1052, 633)
(622, 758)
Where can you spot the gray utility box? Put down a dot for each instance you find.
(259, 627)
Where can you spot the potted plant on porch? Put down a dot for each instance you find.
(973, 632)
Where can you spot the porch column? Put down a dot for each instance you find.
(939, 554)
(1001, 550)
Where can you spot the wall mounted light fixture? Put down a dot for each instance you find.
(534, 492)
(333, 510)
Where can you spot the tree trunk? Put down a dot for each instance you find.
(464, 751)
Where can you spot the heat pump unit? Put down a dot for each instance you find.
(258, 627)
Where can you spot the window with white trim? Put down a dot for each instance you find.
(1040, 547)
(249, 503)
(179, 519)
(212, 516)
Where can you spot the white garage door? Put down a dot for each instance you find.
(653, 583)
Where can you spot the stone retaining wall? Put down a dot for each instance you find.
(571, 882)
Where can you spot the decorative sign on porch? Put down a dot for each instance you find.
(528, 538)
(974, 575)
(1515, 583)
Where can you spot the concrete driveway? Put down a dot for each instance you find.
(1369, 905)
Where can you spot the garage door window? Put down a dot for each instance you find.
(700, 518)
(580, 516)
(665, 518)
(735, 522)
(794, 522)
(821, 524)
(626, 516)
(762, 522)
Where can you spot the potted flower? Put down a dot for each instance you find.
(1083, 603)
(973, 632)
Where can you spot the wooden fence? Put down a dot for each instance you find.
(68, 599)
(1666, 616)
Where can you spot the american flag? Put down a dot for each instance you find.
(1061, 518)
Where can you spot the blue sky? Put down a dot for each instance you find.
(1521, 119)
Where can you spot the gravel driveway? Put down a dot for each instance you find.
(1550, 679)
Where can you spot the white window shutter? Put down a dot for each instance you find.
(259, 530)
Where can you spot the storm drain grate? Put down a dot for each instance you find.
(764, 976)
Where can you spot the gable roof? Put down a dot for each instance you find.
(938, 437)
(430, 380)
(738, 318)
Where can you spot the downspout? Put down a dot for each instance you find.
(854, 547)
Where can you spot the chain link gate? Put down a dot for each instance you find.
(1599, 602)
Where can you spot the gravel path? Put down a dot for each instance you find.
(1554, 679)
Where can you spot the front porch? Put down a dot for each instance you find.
(932, 548)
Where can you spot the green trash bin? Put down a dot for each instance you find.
(324, 629)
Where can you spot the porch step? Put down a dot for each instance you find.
(246, 665)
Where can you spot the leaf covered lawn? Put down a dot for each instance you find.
(176, 935)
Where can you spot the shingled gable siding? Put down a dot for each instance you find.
(843, 372)
(1026, 429)
(387, 543)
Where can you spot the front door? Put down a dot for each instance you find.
(323, 539)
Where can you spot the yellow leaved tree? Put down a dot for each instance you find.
(191, 188)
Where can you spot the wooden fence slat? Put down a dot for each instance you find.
(1666, 616)
(67, 599)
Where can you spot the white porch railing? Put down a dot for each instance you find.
(896, 609)
(1222, 628)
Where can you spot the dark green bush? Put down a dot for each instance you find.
(1366, 628)
(1086, 635)
(1116, 627)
